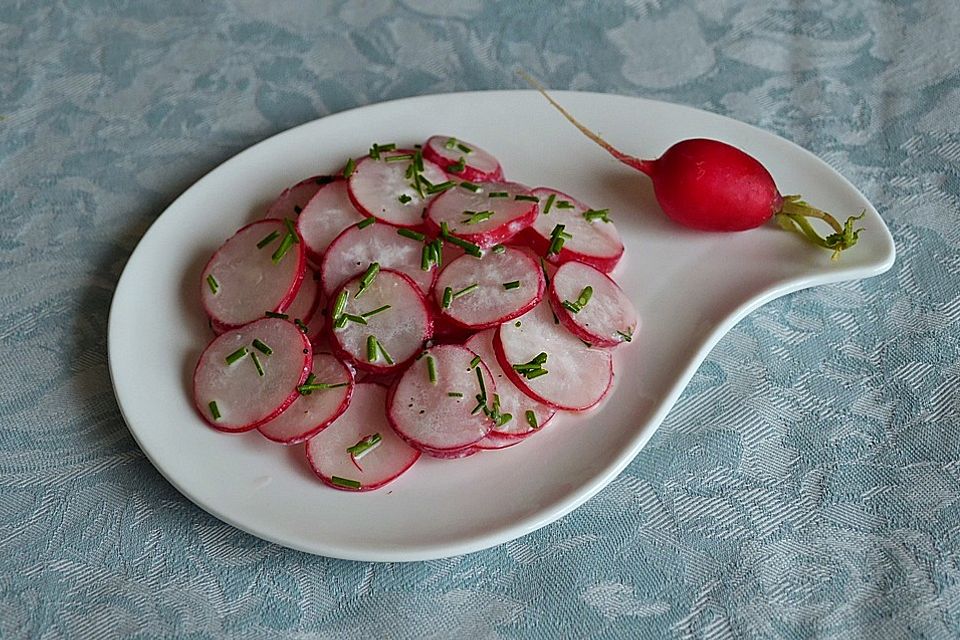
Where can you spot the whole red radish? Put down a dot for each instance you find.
(713, 186)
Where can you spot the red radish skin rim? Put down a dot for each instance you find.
(326, 423)
(498, 235)
(287, 298)
(469, 173)
(518, 380)
(566, 319)
(305, 371)
(370, 367)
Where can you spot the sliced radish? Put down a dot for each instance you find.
(325, 217)
(387, 189)
(591, 305)
(483, 292)
(313, 410)
(378, 454)
(592, 241)
(434, 404)
(293, 200)
(462, 159)
(578, 376)
(381, 326)
(358, 246)
(452, 454)
(249, 375)
(305, 303)
(484, 213)
(257, 270)
(527, 415)
(495, 441)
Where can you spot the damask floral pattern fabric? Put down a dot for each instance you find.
(806, 483)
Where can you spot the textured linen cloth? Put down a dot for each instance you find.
(806, 483)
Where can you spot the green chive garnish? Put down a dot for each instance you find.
(354, 318)
(301, 325)
(483, 387)
(368, 277)
(284, 247)
(532, 419)
(534, 368)
(570, 306)
(627, 337)
(261, 347)
(596, 214)
(523, 196)
(371, 348)
(213, 284)
(581, 302)
(345, 482)
(546, 276)
(549, 204)
(418, 160)
(236, 355)
(291, 230)
(214, 410)
(340, 304)
(340, 322)
(477, 408)
(273, 235)
(279, 316)
(468, 289)
(498, 248)
(426, 257)
(474, 362)
(458, 166)
(477, 216)
(350, 168)
(455, 394)
(451, 143)
(383, 352)
(469, 247)
(366, 222)
(404, 198)
(564, 204)
(410, 233)
(498, 194)
(364, 446)
(530, 375)
(431, 369)
(471, 186)
(511, 285)
(504, 418)
(447, 298)
(438, 251)
(256, 363)
(400, 157)
(307, 388)
(438, 188)
(375, 311)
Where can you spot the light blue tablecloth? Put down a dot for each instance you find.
(824, 506)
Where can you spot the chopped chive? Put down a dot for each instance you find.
(504, 419)
(468, 289)
(549, 204)
(477, 216)
(236, 355)
(291, 230)
(511, 285)
(477, 408)
(350, 168)
(438, 251)
(214, 410)
(426, 257)
(256, 363)
(340, 322)
(498, 248)
(301, 325)
(628, 336)
(585, 294)
(308, 388)
(418, 160)
(366, 222)
(517, 323)
(279, 316)
(457, 167)
(535, 363)
(483, 387)
(368, 277)
(354, 318)
(340, 304)
(365, 446)
(371, 348)
(596, 214)
(474, 362)
(471, 186)
(410, 233)
(447, 298)
(270, 237)
(451, 143)
(546, 276)
(310, 379)
(375, 311)
(498, 194)
(404, 198)
(454, 394)
(345, 482)
(536, 373)
(532, 419)
(282, 250)
(213, 284)
(384, 353)
(469, 247)
(262, 347)
(431, 369)
(572, 307)
(464, 148)
(438, 188)
(528, 198)
(555, 246)
(400, 157)
(564, 204)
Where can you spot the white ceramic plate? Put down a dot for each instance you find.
(690, 288)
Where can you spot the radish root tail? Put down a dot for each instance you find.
(641, 165)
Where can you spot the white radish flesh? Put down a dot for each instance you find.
(324, 217)
(293, 200)
(381, 188)
(307, 300)
(235, 395)
(463, 159)
(512, 400)
(363, 421)
(484, 292)
(607, 319)
(425, 408)
(312, 411)
(398, 331)
(483, 216)
(577, 378)
(242, 280)
(593, 242)
(357, 247)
